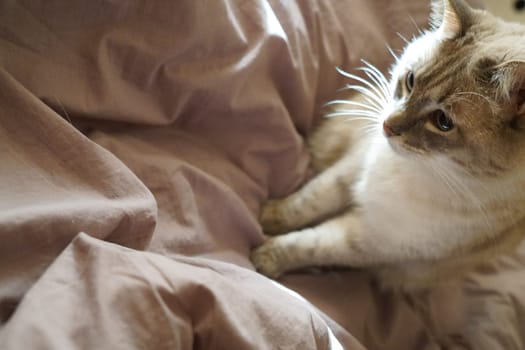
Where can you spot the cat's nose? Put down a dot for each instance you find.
(389, 132)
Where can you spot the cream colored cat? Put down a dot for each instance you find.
(423, 176)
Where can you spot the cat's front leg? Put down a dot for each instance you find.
(323, 196)
(336, 242)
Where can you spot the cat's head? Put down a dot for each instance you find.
(458, 92)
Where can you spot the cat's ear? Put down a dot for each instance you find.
(450, 18)
(510, 78)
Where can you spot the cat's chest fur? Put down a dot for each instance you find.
(400, 200)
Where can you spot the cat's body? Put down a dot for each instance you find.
(437, 188)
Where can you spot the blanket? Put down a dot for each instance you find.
(138, 142)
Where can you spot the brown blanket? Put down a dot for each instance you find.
(137, 142)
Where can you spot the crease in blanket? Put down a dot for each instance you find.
(55, 184)
(152, 302)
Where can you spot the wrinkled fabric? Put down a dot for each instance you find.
(172, 304)
(55, 183)
(138, 142)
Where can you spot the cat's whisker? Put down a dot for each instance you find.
(366, 130)
(372, 98)
(383, 91)
(446, 181)
(383, 81)
(480, 186)
(354, 103)
(402, 37)
(352, 119)
(369, 130)
(466, 100)
(372, 122)
(354, 115)
(458, 188)
(351, 87)
(366, 94)
(393, 53)
(371, 75)
(472, 102)
(360, 112)
(467, 192)
(470, 93)
(418, 28)
(458, 184)
(370, 101)
(369, 85)
(373, 126)
(447, 178)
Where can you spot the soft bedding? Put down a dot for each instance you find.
(137, 142)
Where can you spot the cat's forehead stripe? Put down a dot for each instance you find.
(447, 66)
(446, 72)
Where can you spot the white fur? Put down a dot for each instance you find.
(420, 50)
(394, 195)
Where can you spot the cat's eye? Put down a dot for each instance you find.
(409, 81)
(441, 120)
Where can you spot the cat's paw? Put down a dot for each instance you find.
(272, 219)
(265, 258)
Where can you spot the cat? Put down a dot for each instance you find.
(422, 177)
